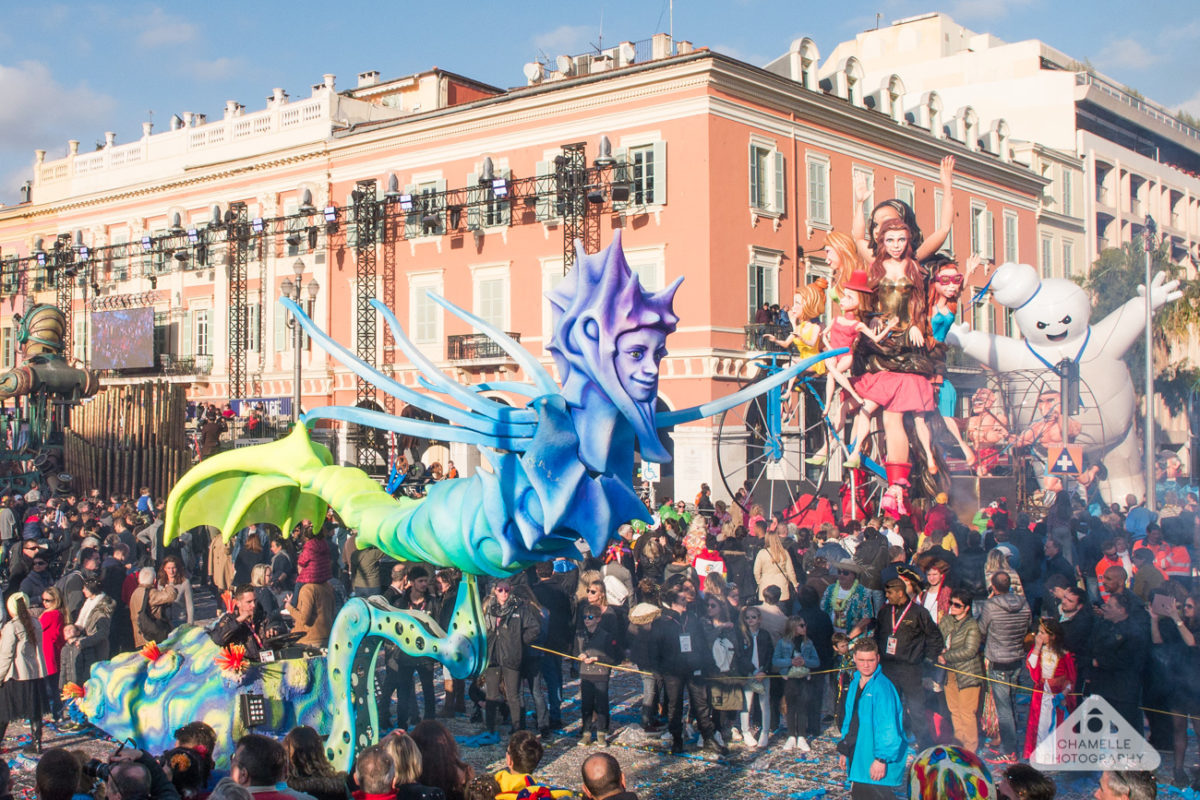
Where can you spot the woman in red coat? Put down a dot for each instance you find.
(1054, 679)
(52, 622)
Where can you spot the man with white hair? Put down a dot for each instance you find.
(1129, 785)
(157, 605)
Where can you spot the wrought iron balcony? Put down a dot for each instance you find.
(475, 347)
(756, 334)
(185, 365)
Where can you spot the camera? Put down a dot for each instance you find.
(96, 769)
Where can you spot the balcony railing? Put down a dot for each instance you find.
(185, 365)
(756, 334)
(475, 347)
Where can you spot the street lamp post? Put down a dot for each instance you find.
(292, 291)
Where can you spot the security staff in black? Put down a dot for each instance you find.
(683, 659)
(511, 627)
(908, 637)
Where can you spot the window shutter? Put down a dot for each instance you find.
(545, 203)
(754, 177)
(351, 223)
(412, 218)
(185, 338)
(503, 205)
(622, 173)
(780, 184)
(659, 176)
(752, 290)
(475, 198)
(990, 221)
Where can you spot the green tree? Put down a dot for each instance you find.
(1113, 280)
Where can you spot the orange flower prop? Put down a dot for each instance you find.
(72, 691)
(232, 659)
(151, 652)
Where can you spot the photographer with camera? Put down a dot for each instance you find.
(128, 774)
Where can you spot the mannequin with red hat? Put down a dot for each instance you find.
(844, 331)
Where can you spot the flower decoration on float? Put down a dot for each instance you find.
(72, 691)
(151, 651)
(232, 660)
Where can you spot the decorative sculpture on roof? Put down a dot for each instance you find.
(561, 469)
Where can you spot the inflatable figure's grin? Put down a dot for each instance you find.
(1057, 337)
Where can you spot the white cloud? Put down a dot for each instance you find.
(564, 40)
(740, 54)
(38, 111)
(1191, 105)
(1125, 53)
(160, 29)
(213, 69)
(973, 12)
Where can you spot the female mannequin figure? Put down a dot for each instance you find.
(866, 236)
(945, 289)
(894, 376)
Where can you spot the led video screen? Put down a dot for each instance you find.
(123, 339)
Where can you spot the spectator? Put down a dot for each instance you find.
(907, 637)
(375, 774)
(173, 574)
(1077, 620)
(758, 654)
(260, 579)
(315, 563)
(678, 637)
(1004, 623)
(87, 640)
(1023, 782)
(773, 567)
(149, 608)
(1173, 648)
(260, 764)
(1147, 578)
(210, 434)
(283, 574)
(482, 787)
(416, 597)
(1131, 785)
(521, 757)
(597, 647)
(511, 625)
(200, 738)
(52, 622)
(406, 758)
(556, 605)
(847, 602)
(309, 771)
(1052, 670)
(57, 775)
(441, 767)
(188, 772)
(603, 780)
(38, 580)
(936, 598)
(1119, 650)
(773, 618)
(872, 748)
(794, 658)
(313, 614)
(962, 638)
(22, 669)
(245, 624)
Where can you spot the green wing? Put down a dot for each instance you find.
(265, 483)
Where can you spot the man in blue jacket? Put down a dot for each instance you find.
(872, 749)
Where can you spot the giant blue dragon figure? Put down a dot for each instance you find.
(561, 471)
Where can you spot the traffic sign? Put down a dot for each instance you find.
(1094, 737)
(650, 471)
(1062, 460)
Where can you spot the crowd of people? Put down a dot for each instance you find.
(760, 628)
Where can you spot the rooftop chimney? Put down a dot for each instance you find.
(369, 78)
(110, 138)
(329, 78)
(660, 46)
(683, 47)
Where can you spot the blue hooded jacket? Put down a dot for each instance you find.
(880, 730)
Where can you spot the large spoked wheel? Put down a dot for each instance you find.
(762, 445)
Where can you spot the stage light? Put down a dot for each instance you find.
(84, 253)
(406, 202)
(500, 188)
(393, 188)
(306, 202)
(147, 243)
(176, 224)
(620, 192)
(293, 239)
(595, 196)
(312, 237)
(257, 225)
(193, 236)
(605, 156)
(455, 216)
(331, 213)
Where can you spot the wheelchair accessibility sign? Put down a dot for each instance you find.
(1094, 737)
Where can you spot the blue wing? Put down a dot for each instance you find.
(483, 422)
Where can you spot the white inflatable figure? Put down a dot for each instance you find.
(1054, 315)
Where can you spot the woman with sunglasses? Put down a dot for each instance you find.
(511, 627)
(1052, 668)
(723, 640)
(961, 634)
(597, 649)
(757, 651)
(20, 563)
(945, 288)
(52, 621)
(795, 657)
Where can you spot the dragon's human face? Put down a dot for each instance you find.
(638, 355)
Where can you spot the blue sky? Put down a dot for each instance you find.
(75, 70)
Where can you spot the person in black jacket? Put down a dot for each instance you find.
(551, 597)
(597, 647)
(820, 632)
(1120, 644)
(1077, 620)
(908, 638)
(678, 641)
(511, 626)
(641, 651)
(447, 590)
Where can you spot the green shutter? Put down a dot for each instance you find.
(755, 178)
(545, 203)
(780, 184)
(475, 199)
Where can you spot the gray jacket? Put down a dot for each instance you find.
(1004, 623)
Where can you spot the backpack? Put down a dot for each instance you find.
(154, 629)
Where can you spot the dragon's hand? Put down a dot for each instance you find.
(250, 485)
